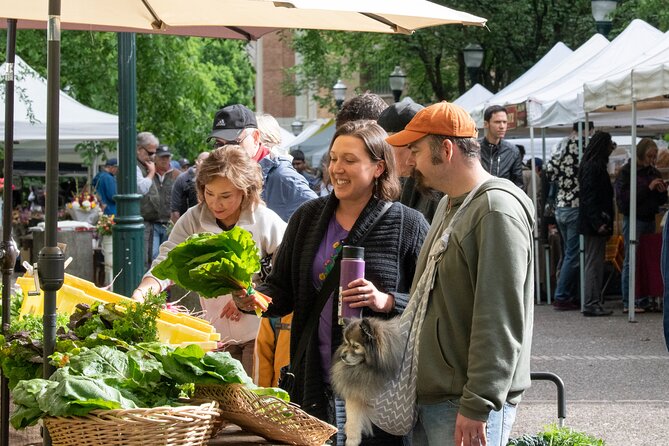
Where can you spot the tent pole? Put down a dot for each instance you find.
(631, 248)
(547, 249)
(581, 239)
(537, 270)
(51, 258)
(8, 251)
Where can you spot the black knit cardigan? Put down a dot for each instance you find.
(391, 251)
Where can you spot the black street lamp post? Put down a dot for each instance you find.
(339, 92)
(397, 81)
(473, 55)
(601, 12)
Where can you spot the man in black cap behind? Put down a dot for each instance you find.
(284, 189)
(393, 120)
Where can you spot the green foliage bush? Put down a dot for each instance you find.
(557, 436)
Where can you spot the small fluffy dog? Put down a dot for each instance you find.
(363, 365)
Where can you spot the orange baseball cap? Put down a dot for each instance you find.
(442, 118)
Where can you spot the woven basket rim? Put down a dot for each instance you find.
(266, 415)
(186, 425)
(211, 406)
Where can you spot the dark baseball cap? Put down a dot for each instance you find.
(394, 118)
(111, 162)
(231, 120)
(163, 150)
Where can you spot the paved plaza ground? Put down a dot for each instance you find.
(616, 375)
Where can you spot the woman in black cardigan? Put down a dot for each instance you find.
(363, 174)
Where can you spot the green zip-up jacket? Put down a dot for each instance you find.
(476, 338)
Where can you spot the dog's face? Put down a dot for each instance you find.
(358, 340)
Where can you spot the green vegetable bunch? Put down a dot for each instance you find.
(21, 351)
(146, 375)
(557, 436)
(129, 322)
(212, 264)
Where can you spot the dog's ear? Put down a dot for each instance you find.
(366, 328)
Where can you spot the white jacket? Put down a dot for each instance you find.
(267, 229)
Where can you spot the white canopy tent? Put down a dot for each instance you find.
(647, 78)
(553, 61)
(473, 97)
(560, 102)
(77, 122)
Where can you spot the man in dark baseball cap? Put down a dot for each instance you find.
(284, 189)
(231, 121)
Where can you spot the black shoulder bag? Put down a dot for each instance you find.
(331, 283)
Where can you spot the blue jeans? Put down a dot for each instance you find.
(159, 236)
(664, 264)
(642, 227)
(567, 284)
(436, 425)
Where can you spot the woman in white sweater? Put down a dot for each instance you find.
(228, 184)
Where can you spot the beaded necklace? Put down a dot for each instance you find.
(329, 263)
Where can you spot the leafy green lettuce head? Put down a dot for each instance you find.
(212, 264)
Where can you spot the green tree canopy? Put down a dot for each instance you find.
(181, 81)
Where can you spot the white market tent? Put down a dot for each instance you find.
(473, 97)
(561, 102)
(77, 122)
(647, 78)
(553, 61)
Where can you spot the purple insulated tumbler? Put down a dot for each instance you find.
(352, 267)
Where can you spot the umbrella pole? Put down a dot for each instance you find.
(51, 259)
(8, 251)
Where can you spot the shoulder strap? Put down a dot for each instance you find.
(329, 285)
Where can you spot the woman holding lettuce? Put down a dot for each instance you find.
(228, 185)
(362, 170)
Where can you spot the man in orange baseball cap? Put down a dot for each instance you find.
(474, 349)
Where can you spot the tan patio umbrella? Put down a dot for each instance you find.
(248, 19)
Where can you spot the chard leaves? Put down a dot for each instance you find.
(212, 264)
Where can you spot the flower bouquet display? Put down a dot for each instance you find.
(104, 225)
(84, 207)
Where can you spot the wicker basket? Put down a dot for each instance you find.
(267, 416)
(173, 426)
